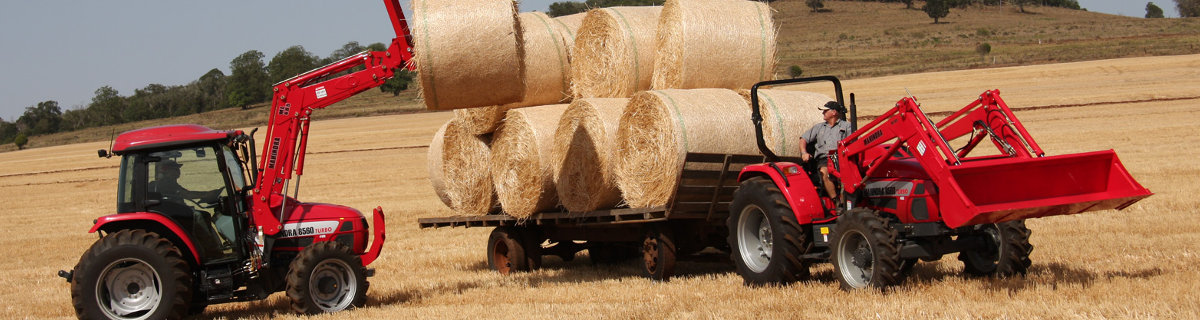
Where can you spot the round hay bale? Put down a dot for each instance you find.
(787, 115)
(583, 145)
(467, 53)
(547, 72)
(660, 127)
(522, 169)
(614, 52)
(465, 162)
(437, 177)
(571, 24)
(714, 44)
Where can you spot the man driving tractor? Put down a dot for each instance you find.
(824, 136)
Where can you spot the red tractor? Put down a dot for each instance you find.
(909, 196)
(199, 222)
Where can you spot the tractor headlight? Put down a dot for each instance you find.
(792, 170)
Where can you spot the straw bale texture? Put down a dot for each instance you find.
(714, 44)
(522, 169)
(614, 52)
(547, 72)
(467, 53)
(571, 24)
(583, 146)
(658, 129)
(786, 115)
(465, 162)
(437, 177)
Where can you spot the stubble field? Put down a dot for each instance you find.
(1141, 262)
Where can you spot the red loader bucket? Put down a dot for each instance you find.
(999, 190)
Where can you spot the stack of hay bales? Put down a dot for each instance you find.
(714, 44)
(614, 52)
(467, 53)
(786, 116)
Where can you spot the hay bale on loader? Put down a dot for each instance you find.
(658, 128)
(461, 168)
(547, 72)
(614, 52)
(714, 44)
(786, 116)
(521, 164)
(467, 53)
(583, 144)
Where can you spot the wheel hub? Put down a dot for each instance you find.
(755, 238)
(862, 257)
(332, 285)
(129, 288)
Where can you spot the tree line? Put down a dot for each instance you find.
(249, 82)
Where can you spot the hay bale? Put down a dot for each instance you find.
(570, 24)
(437, 177)
(583, 145)
(660, 127)
(465, 162)
(467, 53)
(522, 169)
(786, 115)
(547, 72)
(714, 44)
(614, 52)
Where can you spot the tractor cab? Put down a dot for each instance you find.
(193, 176)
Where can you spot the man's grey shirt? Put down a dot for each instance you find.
(826, 136)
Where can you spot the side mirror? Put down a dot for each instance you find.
(151, 203)
(103, 153)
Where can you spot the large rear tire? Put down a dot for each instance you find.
(865, 251)
(326, 277)
(765, 240)
(1006, 253)
(131, 274)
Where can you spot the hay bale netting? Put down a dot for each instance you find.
(614, 52)
(437, 177)
(658, 129)
(570, 24)
(583, 145)
(714, 44)
(467, 53)
(547, 72)
(787, 115)
(522, 169)
(465, 162)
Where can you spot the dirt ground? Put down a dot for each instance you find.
(1141, 262)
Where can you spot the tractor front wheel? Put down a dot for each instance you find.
(765, 240)
(131, 274)
(1005, 254)
(326, 277)
(866, 254)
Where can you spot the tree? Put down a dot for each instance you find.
(559, 9)
(983, 49)
(290, 62)
(21, 140)
(248, 82)
(1188, 8)
(348, 49)
(8, 131)
(107, 106)
(795, 71)
(907, 4)
(1021, 4)
(936, 9)
(1153, 11)
(399, 82)
(212, 89)
(815, 5)
(43, 118)
(76, 119)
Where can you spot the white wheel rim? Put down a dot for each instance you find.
(853, 246)
(332, 285)
(129, 288)
(755, 240)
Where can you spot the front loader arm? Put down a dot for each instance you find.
(292, 105)
(903, 126)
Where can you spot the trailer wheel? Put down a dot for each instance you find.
(131, 274)
(765, 240)
(865, 253)
(326, 277)
(1006, 254)
(658, 255)
(506, 251)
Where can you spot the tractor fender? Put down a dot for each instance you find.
(798, 189)
(151, 222)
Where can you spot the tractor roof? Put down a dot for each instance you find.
(166, 136)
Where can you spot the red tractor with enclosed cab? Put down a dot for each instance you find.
(200, 222)
(908, 195)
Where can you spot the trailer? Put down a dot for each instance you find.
(693, 219)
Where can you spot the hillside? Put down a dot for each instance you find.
(850, 40)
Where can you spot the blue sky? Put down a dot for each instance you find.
(64, 50)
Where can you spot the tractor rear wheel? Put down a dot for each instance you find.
(506, 251)
(326, 277)
(658, 254)
(131, 274)
(865, 253)
(1006, 253)
(765, 240)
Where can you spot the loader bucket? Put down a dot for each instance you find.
(999, 190)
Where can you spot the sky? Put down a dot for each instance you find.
(64, 50)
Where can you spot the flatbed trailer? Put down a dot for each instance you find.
(693, 219)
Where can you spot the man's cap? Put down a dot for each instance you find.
(833, 105)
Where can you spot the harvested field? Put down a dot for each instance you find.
(1139, 263)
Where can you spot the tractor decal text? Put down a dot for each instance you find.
(274, 153)
(889, 189)
(304, 229)
(873, 137)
